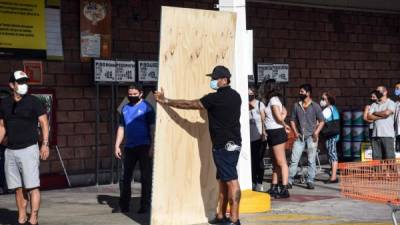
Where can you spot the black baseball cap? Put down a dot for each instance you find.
(220, 72)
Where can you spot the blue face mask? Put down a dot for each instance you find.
(397, 92)
(214, 84)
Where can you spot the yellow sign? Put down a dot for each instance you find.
(22, 24)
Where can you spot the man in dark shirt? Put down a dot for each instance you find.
(19, 117)
(223, 109)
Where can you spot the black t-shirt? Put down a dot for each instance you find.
(21, 120)
(223, 109)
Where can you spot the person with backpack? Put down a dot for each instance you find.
(257, 138)
(331, 115)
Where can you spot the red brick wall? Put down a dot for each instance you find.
(348, 53)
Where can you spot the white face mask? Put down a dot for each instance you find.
(323, 103)
(22, 89)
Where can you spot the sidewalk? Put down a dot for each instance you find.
(93, 205)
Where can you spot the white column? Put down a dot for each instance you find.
(243, 68)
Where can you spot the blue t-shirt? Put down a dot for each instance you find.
(136, 120)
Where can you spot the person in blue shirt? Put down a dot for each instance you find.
(137, 127)
(331, 113)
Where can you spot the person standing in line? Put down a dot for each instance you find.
(137, 126)
(382, 113)
(19, 118)
(257, 138)
(331, 113)
(277, 129)
(306, 121)
(397, 116)
(223, 108)
(372, 100)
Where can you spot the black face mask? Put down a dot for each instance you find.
(372, 101)
(302, 97)
(379, 95)
(133, 99)
(252, 97)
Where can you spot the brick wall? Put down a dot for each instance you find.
(348, 53)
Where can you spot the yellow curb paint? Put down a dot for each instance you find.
(254, 202)
(290, 217)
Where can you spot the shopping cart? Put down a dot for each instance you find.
(376, 181)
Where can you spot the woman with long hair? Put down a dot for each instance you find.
(257, 137)
(331, 113)
(276, 129)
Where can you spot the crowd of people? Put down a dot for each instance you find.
(311, 121)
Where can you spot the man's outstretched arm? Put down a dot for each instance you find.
(178, 103)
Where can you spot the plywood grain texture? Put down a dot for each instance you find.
(192, 42)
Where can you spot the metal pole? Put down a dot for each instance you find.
(118, 161)
(62, 164)
(112, 131)
(97, 138)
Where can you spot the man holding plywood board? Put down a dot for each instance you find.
(223, 109)
(192, 43)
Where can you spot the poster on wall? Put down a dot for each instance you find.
(53, 33)
(125, 71)
(34, 70)
(22, 28)
(279, 72)
(95, 27)
(148, 71)
(104, 70)
(47, 97)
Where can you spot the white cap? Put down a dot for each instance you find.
(18, 75)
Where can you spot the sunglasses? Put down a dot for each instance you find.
(22, 81)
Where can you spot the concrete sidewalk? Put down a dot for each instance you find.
(93, 205)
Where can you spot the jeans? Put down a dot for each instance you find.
(298, 147)
(131, 157)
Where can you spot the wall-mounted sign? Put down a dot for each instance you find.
(53, 34)
(114, 71)
(34, 70)
(279, 72)
(251, 79)
(95, 29)
(148, 71)
(22, 27)
(125, 71)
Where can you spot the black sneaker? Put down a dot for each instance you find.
(310, 186)
(120, 210)
(273, 191)
(218, 221)
(234, 223)
(284, 193)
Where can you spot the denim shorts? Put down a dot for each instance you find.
(225, 162)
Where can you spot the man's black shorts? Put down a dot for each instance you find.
(226, 162)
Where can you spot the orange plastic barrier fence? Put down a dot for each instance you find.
(376, 181)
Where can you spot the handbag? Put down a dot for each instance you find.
(331, 128)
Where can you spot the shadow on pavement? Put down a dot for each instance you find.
(112, 202)
(8, 217)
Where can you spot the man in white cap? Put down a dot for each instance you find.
(19, 117)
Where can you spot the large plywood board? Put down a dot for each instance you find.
(192, 42)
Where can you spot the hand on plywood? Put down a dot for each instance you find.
(160, 97)
(180, 104)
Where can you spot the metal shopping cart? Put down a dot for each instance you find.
(376, 181)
